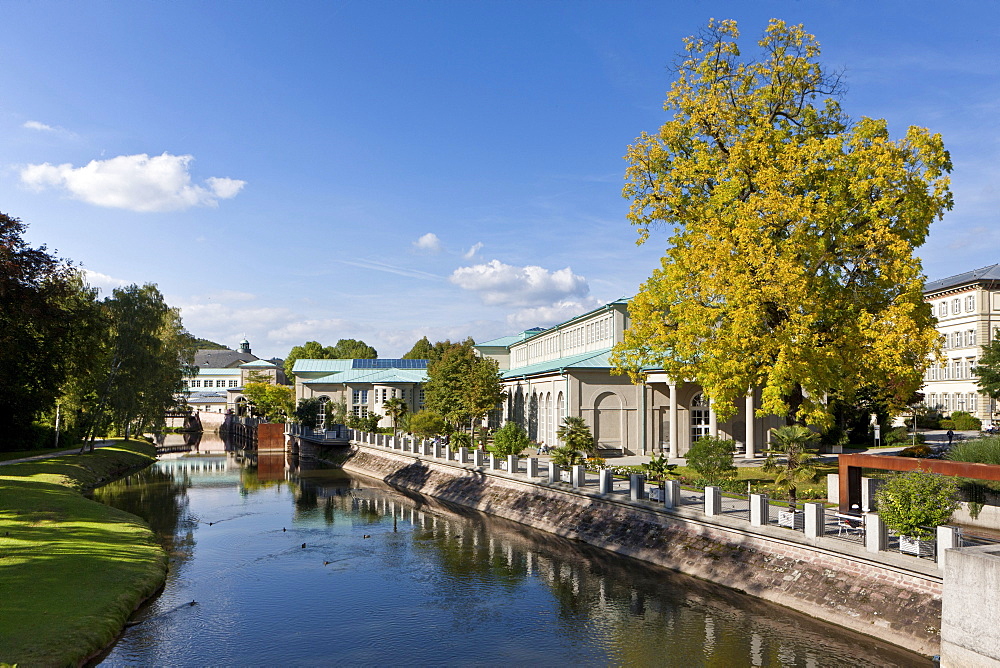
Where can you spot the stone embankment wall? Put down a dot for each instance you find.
(892, 603)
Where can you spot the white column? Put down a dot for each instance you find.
(672, 405)
(758, 510)
(948, 538)
(605, 481)
(713, 422)
(637, 486)
(532, 466)
(876, 533)
(671, 494)
(713, 501)
(749, 440)
(815, 520)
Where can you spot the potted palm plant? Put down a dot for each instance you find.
(578, 442)
(793, 445)
(913, 504)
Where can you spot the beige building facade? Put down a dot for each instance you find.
(967, 309)
(565, 370)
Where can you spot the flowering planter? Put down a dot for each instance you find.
(791, 519)
(916, 546)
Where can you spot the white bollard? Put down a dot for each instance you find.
(531, 463)
(671, 494)
(815, 520)
(579, 475)
(555, 475)
(948, 538)
(637, 486)
(876, 533)
(494, 462)
(606, 481)
(437, 451)
(477, 457)
(462, 455)
(713, 501)
(512, 464)
(758, 510)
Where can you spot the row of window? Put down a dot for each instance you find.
(566, 340)
(958, 401)
(208, 383)
(956, 306)
(963, 339)
(954, 369)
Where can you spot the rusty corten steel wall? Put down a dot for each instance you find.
(851, 465)
(270, 436)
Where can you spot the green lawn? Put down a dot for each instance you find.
(71, 570)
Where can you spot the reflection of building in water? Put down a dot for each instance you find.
(224, 468)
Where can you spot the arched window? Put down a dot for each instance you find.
(699, 417)
(560, 410)
(550, 432)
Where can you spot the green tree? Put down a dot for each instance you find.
(395, 408)
(793, 443)
(37, 317)
(712, 458)
(575, 434)
(987, 369)
(146, 356)
(421, 350)
(345, 349)
(426, 423)
(272, 402)
(510, 439)
(913, 503)
(307, 412)
(353, 349)
(205, 344)
(462, 387)
(790, 262)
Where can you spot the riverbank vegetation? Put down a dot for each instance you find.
(72, 569)
(93, 366)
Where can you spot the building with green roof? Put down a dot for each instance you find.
(363, 385)
(565, 370)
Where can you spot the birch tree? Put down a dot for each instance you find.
(789, 263)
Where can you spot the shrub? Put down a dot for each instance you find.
(460, 440)
(510, 439)
(658, 468)
(965, 421)
(426, 424)
(899, 436)
(984, 450)
(712, 458)
(916, 451)
(567, 456)
(913, 503)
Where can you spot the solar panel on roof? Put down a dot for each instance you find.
(390, 364)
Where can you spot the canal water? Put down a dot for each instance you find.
(275, 564)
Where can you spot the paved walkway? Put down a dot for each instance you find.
(50, 455)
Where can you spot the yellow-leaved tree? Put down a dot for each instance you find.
(790, 263)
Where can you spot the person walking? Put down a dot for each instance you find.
(951, 435)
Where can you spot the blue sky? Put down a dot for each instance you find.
(389, 170)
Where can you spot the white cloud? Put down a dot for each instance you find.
(41, 127)
(471, 253)
(428, 242)
(95, 279)
(501, 284)
(546, 316)
(133, 182)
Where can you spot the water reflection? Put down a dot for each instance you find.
(312, 567)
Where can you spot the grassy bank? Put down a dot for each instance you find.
(71, 569)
